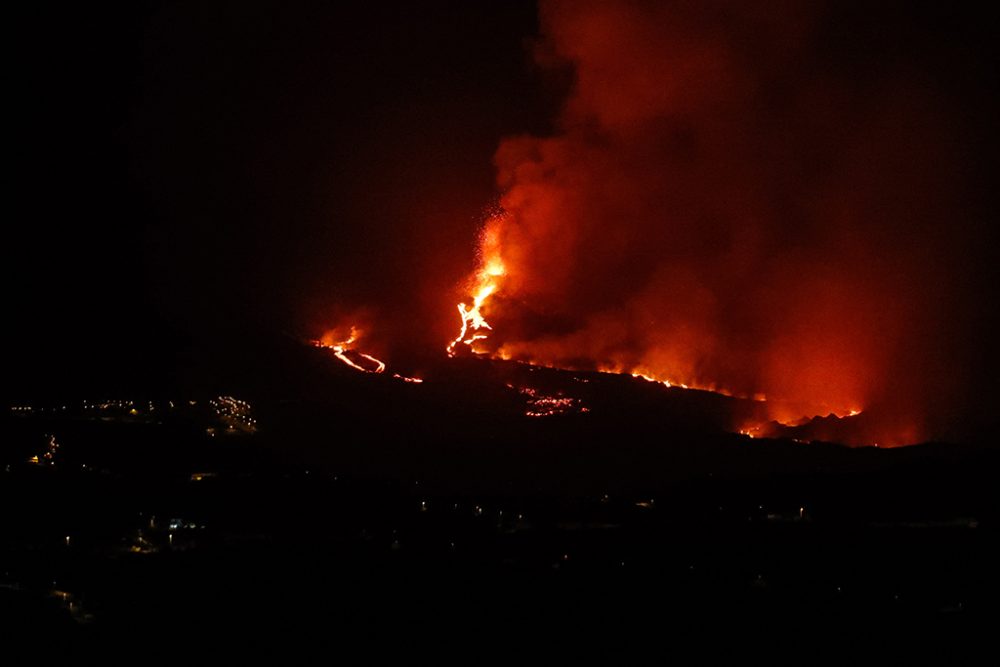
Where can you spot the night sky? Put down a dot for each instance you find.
(193, 172)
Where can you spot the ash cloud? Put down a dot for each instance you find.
(771, 198)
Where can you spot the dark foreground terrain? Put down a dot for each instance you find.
(359, 525)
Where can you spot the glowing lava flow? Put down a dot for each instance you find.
(359, 361)
(340, 350)
(485, 283)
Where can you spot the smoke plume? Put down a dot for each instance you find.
(764, 198)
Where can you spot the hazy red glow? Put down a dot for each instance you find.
(717, 210)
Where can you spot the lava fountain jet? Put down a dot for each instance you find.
(484, 284)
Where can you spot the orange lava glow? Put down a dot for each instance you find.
(776, 412)
(674, 226)
(486, 282)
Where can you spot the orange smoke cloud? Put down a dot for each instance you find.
(726, 205)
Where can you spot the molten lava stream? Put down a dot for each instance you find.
(341, 348)
(359, 361)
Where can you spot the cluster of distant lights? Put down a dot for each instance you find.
(125, 405)
(112, 405)
(236, 412)
(230, 409)
(48, 457)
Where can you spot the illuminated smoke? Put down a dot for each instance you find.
(735, 199)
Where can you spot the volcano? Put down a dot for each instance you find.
(474, 424)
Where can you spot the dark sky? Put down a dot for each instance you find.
(192, 171)
(195, 169)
